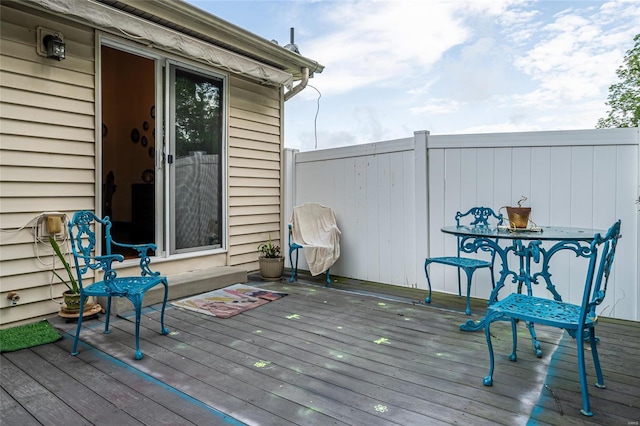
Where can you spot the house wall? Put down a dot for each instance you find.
(392, 198)
(48, 157)
(255, 154)
(47, 153)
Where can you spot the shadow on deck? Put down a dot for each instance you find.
(354, 353)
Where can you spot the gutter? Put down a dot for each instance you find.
(297, 89)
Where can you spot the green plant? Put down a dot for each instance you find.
(72, 284)
(269, 250)
(624, 96)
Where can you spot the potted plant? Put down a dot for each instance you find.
(72, 294)
(519, 216)
(270, 260)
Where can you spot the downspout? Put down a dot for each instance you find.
(285, 203)
(297, 89)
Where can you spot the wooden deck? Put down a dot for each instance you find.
(344, 355)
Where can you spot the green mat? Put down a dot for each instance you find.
(27, 336)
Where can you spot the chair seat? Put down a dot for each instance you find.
(124, 286)
(463, 262)
(541, 311)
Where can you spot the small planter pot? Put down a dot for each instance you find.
(72, 303)
(71, 300)
(271, 269)
(518, 216)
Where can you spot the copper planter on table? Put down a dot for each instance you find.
(518, 216)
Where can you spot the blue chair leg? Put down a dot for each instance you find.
(488, 380)
(107, 316)
(469, 273)
(586, 407)
(426, 272)
(294, 267)
(328, 277)
(137, 303)
(596, 359)
(74, 350)
(163, 329)
(514, 336)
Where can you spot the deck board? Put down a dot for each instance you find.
(352, 354)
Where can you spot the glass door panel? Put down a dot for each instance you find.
(196, 157)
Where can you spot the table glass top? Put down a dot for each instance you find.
(555, 233)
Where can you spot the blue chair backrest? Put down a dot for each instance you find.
(480, 216)
(603, 251)
(82, 232)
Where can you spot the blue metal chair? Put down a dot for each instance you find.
(82, 231)
(477, 217)
(578, 320)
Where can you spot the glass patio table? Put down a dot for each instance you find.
(526, 245)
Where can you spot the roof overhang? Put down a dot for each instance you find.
(188, 19)
(179, 27)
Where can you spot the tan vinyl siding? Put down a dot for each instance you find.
(48, 157)
(47, 150)
(254, 169)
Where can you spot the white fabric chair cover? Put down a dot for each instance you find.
(314, 228)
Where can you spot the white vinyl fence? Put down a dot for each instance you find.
(391, 199)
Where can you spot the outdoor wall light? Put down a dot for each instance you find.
(54, 46)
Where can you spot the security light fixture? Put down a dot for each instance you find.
(54, 46)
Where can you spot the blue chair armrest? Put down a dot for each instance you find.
(140, 248)
(145, 261)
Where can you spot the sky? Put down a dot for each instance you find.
(449, 67)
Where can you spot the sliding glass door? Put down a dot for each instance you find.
(163, 151)
(196, 159)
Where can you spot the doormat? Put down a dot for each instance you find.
(229, 301)
(27, 336)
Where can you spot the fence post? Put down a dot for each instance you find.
(420, 139)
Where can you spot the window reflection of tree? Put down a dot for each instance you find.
(198, 114)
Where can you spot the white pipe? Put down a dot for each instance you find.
(297, 89)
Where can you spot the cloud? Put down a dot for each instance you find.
(371, 43)
(576, 56)
(464, 66)
(437, 106)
